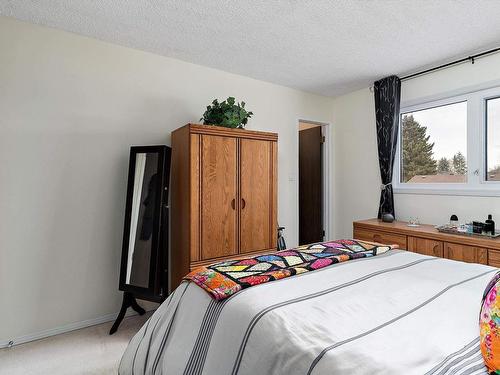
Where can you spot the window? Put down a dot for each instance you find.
(450, 145)
(493, 139)
(434, 145)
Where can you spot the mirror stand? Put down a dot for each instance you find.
(128, 301)
(144, 261)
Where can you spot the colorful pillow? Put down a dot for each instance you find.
(489, 324)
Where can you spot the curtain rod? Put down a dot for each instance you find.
(471, 58)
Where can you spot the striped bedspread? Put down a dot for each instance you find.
(397, 313)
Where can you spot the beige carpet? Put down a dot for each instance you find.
(85, 351)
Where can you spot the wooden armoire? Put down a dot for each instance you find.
(223, 195)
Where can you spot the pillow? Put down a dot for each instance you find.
(489, 325)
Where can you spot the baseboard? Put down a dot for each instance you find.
(58, 330)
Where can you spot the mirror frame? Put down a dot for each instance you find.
(157, 289)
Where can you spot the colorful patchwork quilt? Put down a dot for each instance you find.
(226, 278)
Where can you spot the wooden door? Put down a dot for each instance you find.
(425, 246)
(464, 253)
(257, 227)
(310, 186)
(218, 192)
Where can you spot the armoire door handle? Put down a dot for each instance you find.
(233, 204)
(243, 203)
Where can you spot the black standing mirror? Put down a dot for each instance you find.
(144, 264)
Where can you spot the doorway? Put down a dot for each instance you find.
(311, 182)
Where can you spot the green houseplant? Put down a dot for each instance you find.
(228, 113)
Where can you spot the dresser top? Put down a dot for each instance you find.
(229, 132)
(427, 231)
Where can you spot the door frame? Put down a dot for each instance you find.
(326, 130)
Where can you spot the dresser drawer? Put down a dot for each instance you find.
(425, 246)
(380, 237)
(465, 253)
(494, 258)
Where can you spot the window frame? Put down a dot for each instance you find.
(476, 184)
(485, 129)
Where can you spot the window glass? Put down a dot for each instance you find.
(493, 139)
(434, 145)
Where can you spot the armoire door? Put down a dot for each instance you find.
(218, 185)
(257, 228)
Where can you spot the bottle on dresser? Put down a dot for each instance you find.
(489, 225)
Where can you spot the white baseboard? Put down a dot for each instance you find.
(58, 330)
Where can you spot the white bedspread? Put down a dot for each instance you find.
(397, 313)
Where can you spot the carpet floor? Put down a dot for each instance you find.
(85, 351)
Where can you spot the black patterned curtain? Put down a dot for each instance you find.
(387, 93)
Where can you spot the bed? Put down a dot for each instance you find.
(395, 313)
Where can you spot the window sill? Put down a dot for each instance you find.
(486, 191)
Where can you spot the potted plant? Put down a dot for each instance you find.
(227, 113)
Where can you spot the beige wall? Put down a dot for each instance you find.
(358, 179)
(70, 107)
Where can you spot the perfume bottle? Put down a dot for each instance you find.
(454, 220)
(489, 225)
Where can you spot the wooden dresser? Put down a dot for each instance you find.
(425, 239)
(223, 195)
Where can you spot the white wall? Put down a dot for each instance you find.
(357, 176)
(70, 107)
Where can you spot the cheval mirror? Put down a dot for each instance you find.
(144, 264)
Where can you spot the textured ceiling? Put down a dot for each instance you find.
(323, 46)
